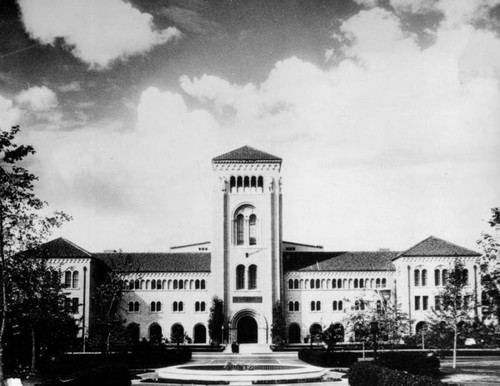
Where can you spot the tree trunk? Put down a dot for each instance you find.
(33, 349)
(455, 347)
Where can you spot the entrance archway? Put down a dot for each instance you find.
(294, 333)
(247, 330)
(200, 334)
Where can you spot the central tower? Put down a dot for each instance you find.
(247, 225)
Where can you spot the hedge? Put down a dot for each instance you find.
(369, 374)
(418, 363)
(328, 359)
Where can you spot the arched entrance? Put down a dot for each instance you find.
(200, 334)
(294, 333)
(155, 333)
(247, 330)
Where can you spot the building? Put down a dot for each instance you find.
(250, 267)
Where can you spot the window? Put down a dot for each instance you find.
(318, 306)
(130, 306)
(181, 284)
(466, 276)
(153, 284)
(67, 279)
(444, 276)
(384, 283)
(178, 307)
(362, 283)
(131, 285)
(334, 283)
(417, 303)
(240, 233)
(240, 277)
(181, 306)
(312, 283)
(334, 306)
(313, 306)
(252, 277)
(341, 305)
(158, 284)
(75, 279)
(377, 283)
(252, 229)
(437, 302)
(416, 274)
(290, 284)
(425, 303)
(202, 307)
(74, 305)
(424, 277)
(197, 284)
(296, 284)
(155, 306)
(339, 283)
(290, 306)
(176, 284)
(356, 283)
(296, 306)
(202, 284)
(437, 277)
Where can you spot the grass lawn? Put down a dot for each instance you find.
(476, 371)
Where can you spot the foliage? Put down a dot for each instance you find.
(393, 324)
(369, 374)
(216, 320)
(278, 330)
(332, 335)
(490, 267)
(328, 359)
(21, 228)
(453, 311)
(178, 335)
(418, 363)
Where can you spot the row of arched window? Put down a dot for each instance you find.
(294, 306)
(134, 306)
(156, 332)
(252, 277)
(246, 184)
(71, 279)
(158, 284)
(336, 283)
(440, 277)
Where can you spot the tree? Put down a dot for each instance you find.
(332, 335)
(21, 225)
(454, 310)
(393, 324)
(216, 320)
(490, 267)
(278, 330)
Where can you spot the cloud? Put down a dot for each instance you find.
(70, 87)
(9, 114)
(38, 99)
(96, 31)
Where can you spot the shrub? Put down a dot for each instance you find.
(418, 363)
(369, 374)
(328, 359)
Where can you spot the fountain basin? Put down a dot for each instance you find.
(234, 374)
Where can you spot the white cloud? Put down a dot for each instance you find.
(97, 31)
(9, 114)
(38, 99)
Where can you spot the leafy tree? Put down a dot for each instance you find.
(490, 267)
(21, 225)
(332, 335)
(278, 330)
(178, 335)
(453, 311)
(216, 320)
(393, 324)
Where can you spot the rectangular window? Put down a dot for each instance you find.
(425, 303)
(417, 303)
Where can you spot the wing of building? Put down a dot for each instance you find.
(250, 267)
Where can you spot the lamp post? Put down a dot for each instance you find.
(374, 331)
(222, 335)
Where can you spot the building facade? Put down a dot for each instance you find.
(250, 267)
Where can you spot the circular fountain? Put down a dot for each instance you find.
(234, 373)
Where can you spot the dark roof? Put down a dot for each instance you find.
(339, 261)
(61, 248)
(156, 262)
(246, 154)
(434, 246)
(302, 245)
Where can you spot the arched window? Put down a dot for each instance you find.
(296, 306)
(424, 277)
(202, 284)
(75, 279)
(240, 277)
(153, 306)
(176, 284)
(252, 277)
(318, 283)
(158, 284)
(137, 284)
(416, 276)
(384, 282)
(197, 284)
(334, 283)
(232, 184)
(246, 182)
(240, 230)
(290, 306)
(311, 283)
(340, 305)
(437, 277)
(175, 307)
(153, 284)
(339, 283)
(181, 306)
(296, 284)
(130, 306)
(362, 283)
(181, 284)
(136, 307)
(444, 277)
(260, 183)
(334, 305)
(318, 306)
(356, 283)
(290, 284)
(158, 306)
(350, 283)
(67, 279)
(239, 183)
(466, 276)
(202, 306)
(313, 306)
(253, 182)
(252, 230)
(377, 283)
(197, 306)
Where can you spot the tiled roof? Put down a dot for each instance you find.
(190, 245)
(339, 261)
(156, 262)
(246, 154)
(62, 248)
(434, 246)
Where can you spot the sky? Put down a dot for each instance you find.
(386, 114)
